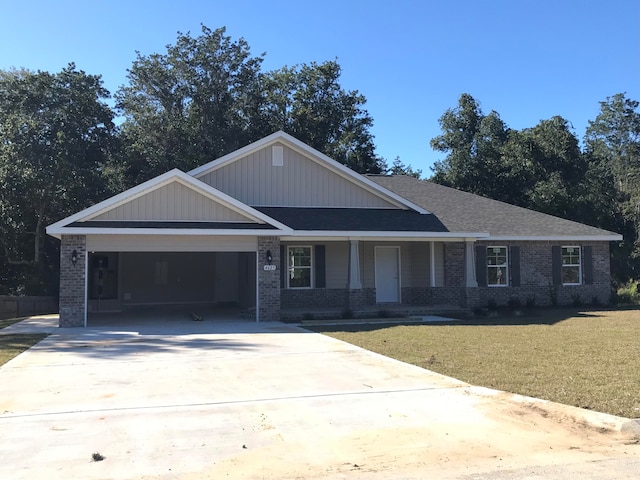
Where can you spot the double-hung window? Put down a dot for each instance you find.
(300, 264)
(497, 267)
(571, 266)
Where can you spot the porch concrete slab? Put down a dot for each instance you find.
(269, 400)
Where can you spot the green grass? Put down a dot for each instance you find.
(9, 321)
(13, 345)
(585, 359)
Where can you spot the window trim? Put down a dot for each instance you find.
(310, 267)
(579, 265)
(505, 266)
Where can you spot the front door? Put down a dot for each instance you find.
(387, 274)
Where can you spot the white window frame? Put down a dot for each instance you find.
(571, 265)
(505, 266)
(310, 267)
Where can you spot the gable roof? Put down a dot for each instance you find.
(315, 156)
(84, 221)
(462, 211)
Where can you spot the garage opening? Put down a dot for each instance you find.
(171, 285)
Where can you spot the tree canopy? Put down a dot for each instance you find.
(544, 167)
(55, 137)
(207, 96)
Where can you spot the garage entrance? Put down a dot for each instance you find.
(173, 284)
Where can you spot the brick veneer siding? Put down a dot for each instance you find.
(269, 280)
(454, 265)
(72, 281)
(536, 278)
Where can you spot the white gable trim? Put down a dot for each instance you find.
(313, 155)
(174, 175)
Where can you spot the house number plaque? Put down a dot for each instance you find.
(269, 267)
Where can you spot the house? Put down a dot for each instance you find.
(278, 225)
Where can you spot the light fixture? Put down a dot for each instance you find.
(74, 257)
(269, 257)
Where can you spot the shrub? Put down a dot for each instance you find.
(308, 316)
(628, 293)
(514, 303)
(576, 300)
(383, 313)
(530, 302)
(347, 313)
(492, 305)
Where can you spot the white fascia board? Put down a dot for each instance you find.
(158, 182)
(614, 237)
(440, 236)
(164, 231)
(316, 156)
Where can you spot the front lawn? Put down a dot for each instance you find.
(14, 344)
(587, 359)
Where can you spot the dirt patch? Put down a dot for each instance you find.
(511, 436)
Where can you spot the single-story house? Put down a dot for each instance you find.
(278, 225)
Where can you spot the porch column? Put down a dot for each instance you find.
(354, 265)
(432, 264)
(73, 281)
(470, 265)
(268, 295)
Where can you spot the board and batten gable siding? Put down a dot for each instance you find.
(173, 202)
(299, 182)
(170, 243)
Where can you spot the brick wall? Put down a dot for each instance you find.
(269, 280)
(72, 281)
(536, 278)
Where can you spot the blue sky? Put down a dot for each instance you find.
(526, 59)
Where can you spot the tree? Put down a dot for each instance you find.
(55, 138)
(308, 102)
(541, 168)
(473, 143)
(613, 142)
(398, 167)
(207, 96)
(190, 105)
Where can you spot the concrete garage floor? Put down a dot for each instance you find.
(197, 400)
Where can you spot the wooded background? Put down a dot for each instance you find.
(63, 148)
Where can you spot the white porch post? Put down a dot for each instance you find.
(432, 264)
(470, 265)
(354, 265)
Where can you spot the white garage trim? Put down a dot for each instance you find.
(170, 243)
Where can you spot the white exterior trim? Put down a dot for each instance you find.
(166, 231)
(424, 236)
(315, 156)
(614, 237)
(175, 175)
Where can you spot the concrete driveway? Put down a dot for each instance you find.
(193, 400)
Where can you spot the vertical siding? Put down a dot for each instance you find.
(300, 182)
(337, 264)
(420, 264)
(172, 202)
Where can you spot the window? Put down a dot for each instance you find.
(299, 267)
(497, 273)
(571, 273)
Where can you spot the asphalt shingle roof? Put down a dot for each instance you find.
(354, 219)
(465, 212)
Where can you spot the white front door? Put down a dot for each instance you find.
(387, 274)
